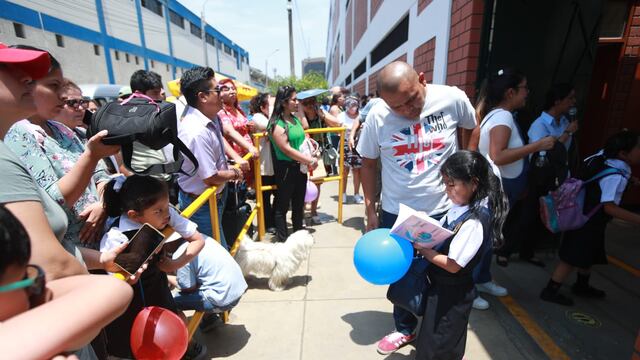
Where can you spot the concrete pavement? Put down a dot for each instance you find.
(329, 312)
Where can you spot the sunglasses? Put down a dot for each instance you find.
(76, 103)
(217, 88)
(33, 283)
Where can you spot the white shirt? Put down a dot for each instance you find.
(115, 236)
(500, 117)
(467, 241)
(346, 121)
(612, 186)
(412, 151)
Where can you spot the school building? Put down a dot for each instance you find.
(105, 41)
(593, 44)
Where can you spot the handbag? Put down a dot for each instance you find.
(140, 118)
(309, 147)
(410, 291)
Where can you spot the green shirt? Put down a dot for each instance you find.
(295, 135)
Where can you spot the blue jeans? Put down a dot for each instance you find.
(202, 216)
(198, 301)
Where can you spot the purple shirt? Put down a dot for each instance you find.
(204, 138)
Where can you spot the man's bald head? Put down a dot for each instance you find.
(400, 87)
(392, 75)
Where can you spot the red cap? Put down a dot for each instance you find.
(34, 63)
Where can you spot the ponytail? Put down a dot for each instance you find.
(133, 193)
(494, 87)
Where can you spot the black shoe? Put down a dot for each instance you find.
(555, 297)
(534, 261)
(502, 261)
(588, 291)
(210, 322)
(195, 351)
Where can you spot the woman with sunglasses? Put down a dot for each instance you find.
(53, 153)
(74, 109)
(286, 133)
(39, 319)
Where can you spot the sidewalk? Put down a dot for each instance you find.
(328, 311)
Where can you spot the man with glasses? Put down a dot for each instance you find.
(201, 131)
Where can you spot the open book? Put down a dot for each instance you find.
(417, 226)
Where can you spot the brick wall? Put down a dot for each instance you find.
(359, 88)
(464, 44)
(423, 57)
(348, 31)
(359, 20)
(373, 78)
(375, 5)
(620, 104)
(422, 4)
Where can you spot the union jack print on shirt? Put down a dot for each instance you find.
(416, 147)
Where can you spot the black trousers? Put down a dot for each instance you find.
(266, 200)
(292, 186)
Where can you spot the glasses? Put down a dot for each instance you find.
(33, 283)
(76, 103)
(217, 88)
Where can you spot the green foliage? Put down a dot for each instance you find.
(311, 80)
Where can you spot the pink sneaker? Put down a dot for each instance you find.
(394, 341)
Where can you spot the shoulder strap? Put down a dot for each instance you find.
(604, 173)
(495, 111)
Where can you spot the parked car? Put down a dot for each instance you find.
(102, 93)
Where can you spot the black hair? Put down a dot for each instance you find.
(325, 101)
(283, 95)
(15, 248)
(624, 140)
(471, 166)
(335, 97)
(143, 81)
(137, 193)
(557, 93)
(55, 65)
(194, 81)
(494, 88)
(257, 102)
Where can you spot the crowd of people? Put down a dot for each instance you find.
(70, 203)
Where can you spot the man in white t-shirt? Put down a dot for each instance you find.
(412, 131)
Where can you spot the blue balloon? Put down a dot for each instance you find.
(381, 258)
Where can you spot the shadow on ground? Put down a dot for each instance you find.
(234, 338)
(367, 327)
(355, 223)
(263, 283)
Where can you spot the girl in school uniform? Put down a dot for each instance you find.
(132, 202)
(584, 247)
(473, 189)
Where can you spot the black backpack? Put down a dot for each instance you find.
(140, 118)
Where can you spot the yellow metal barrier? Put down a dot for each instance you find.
(209, 195)
(258, 178)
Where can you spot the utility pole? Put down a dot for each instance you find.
(203, 33)
(291, 60)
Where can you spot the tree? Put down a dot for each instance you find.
(311, 80)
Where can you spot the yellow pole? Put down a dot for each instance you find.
(258, 187)
(341, 175)
(242, 232)
(193, 323)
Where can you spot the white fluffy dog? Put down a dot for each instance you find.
(278, 261)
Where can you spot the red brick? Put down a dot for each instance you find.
(635, 21)
(466, 10)
(637, 7)
(633, 41)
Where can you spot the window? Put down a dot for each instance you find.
(154, 5)
(347, 81)
(167, 67)
(126, 57)
(392, 41)
(117, 55)
(59, 40)
(227, 49)
(195, 30)
(235, 53)
(137, 60)
(360, 69)
(210, 40)
(219, 44)
(153, 64)
(19, 30)
(96, 50)
(175, 18)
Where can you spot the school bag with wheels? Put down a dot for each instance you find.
(563, 209)
(140, 118)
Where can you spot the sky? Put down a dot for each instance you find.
(261, 27)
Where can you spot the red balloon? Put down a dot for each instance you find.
(158, 333)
